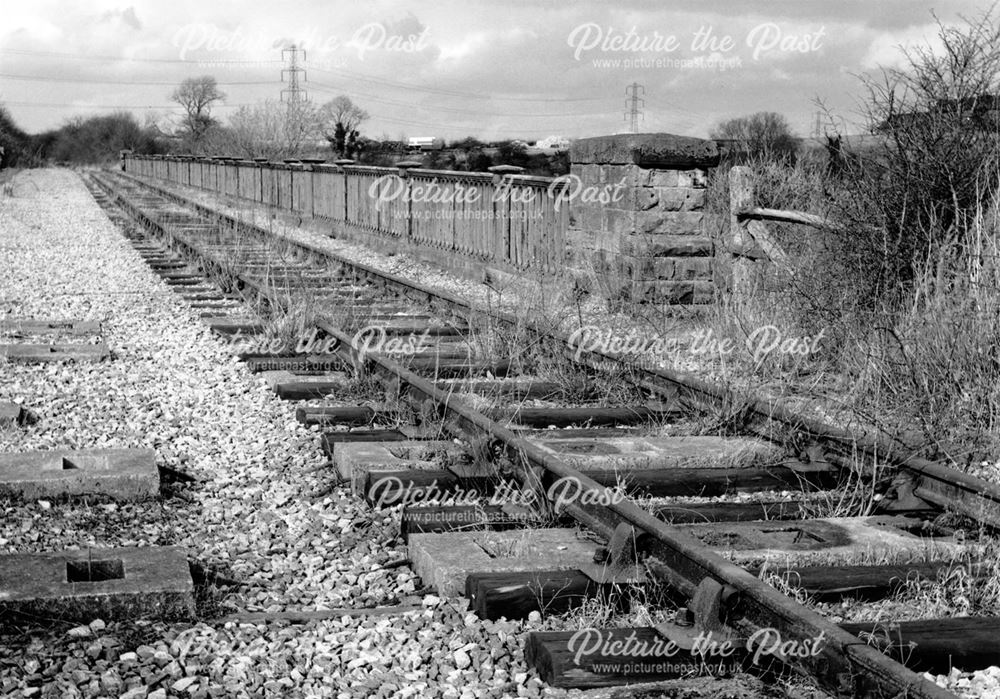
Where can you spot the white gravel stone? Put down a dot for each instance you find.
(982, 684)
(265, 509)
(97, 625)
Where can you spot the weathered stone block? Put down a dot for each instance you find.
(668, 199)
(11, 414)
(34, 354)
(659, 178)
(668, 222)
(124, 474)
(603, 262)
(690, 268)
(829, 541)
(588, 174)
(643, 198)
(444, 561)
(587, 216)
(623, 175)
(646, 268)
(692, 178)
(680, 198)
(117, 583)
(665, 196)
(579, 239)
(666, 245)
(355, 460)
(672, 292)
(28, 326)
(651, 269)
(648, 150)
(617, 222)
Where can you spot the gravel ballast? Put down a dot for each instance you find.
(265, 509)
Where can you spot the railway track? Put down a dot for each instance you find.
(444, 368)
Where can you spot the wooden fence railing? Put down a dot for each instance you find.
(507, 220)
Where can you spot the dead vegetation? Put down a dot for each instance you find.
(904, 284)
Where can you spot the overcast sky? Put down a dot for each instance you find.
(502, 68)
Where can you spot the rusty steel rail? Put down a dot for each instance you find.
(843, 664)
(938, 484)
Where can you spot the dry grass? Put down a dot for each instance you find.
(920, 361)
(905, 283)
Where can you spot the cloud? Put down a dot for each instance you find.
(503, 67)
(126, 16)
(888, 49)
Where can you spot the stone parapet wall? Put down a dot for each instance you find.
(650, 238)
(631, 215)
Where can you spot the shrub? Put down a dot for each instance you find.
(905, 282)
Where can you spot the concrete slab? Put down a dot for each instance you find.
(118, 583)
(629, 453)
(124, 474)
(33, 354)
(444, 561)
(830, 541)
(355, 460)
(30, 326)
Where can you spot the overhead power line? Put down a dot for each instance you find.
(16, 103)
(450, 93)
(53, 79)
(129, 59)
(482, 112)
(342, 73)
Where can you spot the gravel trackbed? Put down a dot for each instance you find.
(265, 510)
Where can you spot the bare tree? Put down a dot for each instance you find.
(760, 135)
(936, 123)
(196, 96)
(273, 129)
(339, 120)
